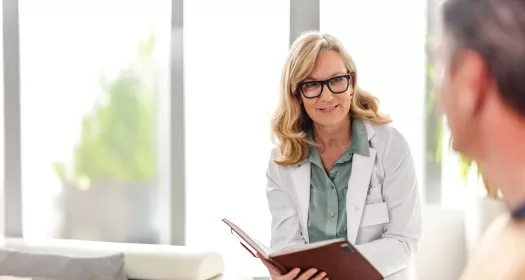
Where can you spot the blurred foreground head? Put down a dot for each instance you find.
(482, 58)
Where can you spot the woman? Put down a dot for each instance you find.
(339, 169)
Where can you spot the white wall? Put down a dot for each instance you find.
(234, 52)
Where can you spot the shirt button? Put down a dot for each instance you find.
(332, 214)
(356, 208)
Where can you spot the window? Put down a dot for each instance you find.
(234, 53)
(93, 77)
(390, 57)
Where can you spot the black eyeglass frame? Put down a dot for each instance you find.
(348, 78)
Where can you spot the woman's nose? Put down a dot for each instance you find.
(326, 94)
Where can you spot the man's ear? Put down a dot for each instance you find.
(481, 80)
(472, 81)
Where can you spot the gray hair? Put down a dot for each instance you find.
(495, 29)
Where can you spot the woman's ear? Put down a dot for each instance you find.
(298, 98)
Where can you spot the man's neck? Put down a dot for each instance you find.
(513, 187)
(333, 136)
(504, 164)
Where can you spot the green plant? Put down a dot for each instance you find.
(434, 123)
(118, 137)
(466, 165)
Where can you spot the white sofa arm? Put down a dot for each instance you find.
(150, 262)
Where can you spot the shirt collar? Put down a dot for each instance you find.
(359, 138)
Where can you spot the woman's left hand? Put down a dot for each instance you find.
(294, 274)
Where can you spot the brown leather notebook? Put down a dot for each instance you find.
(337, 257)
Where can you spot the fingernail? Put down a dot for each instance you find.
(323, 274)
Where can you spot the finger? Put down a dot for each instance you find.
(308, 274)
(320, 276)
(290, 275)
(274, 272)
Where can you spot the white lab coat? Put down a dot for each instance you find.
(383, 204)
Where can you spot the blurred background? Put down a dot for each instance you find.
(148, 121)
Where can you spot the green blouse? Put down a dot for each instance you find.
(327, 211)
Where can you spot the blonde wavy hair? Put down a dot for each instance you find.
(290, 119)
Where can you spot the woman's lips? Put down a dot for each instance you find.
(329, 109)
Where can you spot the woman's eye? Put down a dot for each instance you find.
(310, 85)
(337, 80)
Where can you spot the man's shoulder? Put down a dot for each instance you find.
(496, 257)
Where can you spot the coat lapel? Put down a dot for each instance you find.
(301, 186)
(362, 167)
(358, 183)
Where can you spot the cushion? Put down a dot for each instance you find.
(61, 267)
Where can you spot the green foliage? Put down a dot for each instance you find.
(465, 166)
(434, 123)
(118, 137)
(60, 170)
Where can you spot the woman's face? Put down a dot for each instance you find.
(327, 92)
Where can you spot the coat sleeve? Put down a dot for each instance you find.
(286, 230)
(396, 249)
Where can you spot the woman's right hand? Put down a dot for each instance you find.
(294, 274)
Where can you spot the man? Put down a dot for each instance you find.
(482, 87)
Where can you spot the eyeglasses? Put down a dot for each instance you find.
(313, 89)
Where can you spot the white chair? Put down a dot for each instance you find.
(442, 253)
